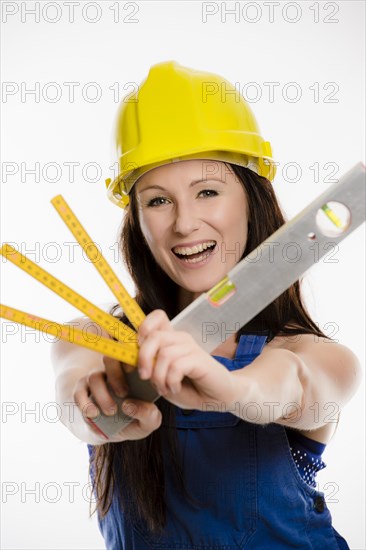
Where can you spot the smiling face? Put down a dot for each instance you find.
(194, 217)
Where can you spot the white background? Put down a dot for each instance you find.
(317, 50)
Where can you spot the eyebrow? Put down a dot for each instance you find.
(194, 182)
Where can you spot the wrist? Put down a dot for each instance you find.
(245, 400)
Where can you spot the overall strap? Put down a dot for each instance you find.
(252, 343)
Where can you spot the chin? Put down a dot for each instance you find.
(201, 289)
(196, 286)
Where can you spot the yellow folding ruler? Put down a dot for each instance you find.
(126, 353)
(123, 344)
(112, 325)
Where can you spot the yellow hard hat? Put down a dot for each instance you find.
(179, 114)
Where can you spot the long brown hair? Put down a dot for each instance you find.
(134, 470)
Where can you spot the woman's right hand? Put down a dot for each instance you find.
(147, 417)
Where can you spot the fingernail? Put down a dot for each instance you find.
(122, 391)
(92, 411)
(127, 408)
(126, 404)
(111, 411)
(143, 373)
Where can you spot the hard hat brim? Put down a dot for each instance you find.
(119, 189)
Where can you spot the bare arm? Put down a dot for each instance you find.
(80, 373)
(72, 363)
(300, 388)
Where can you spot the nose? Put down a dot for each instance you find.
(186, 219)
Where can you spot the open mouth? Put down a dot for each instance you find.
(195, 254)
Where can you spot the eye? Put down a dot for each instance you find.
(160, 200)
(156, 201)
(209, 192)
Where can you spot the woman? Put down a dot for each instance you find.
(227, 456)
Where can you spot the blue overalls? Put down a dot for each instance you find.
(250, 491)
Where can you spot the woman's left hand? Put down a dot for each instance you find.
(167, 356)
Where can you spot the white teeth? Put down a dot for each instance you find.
(185, 251)
(195, 260)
